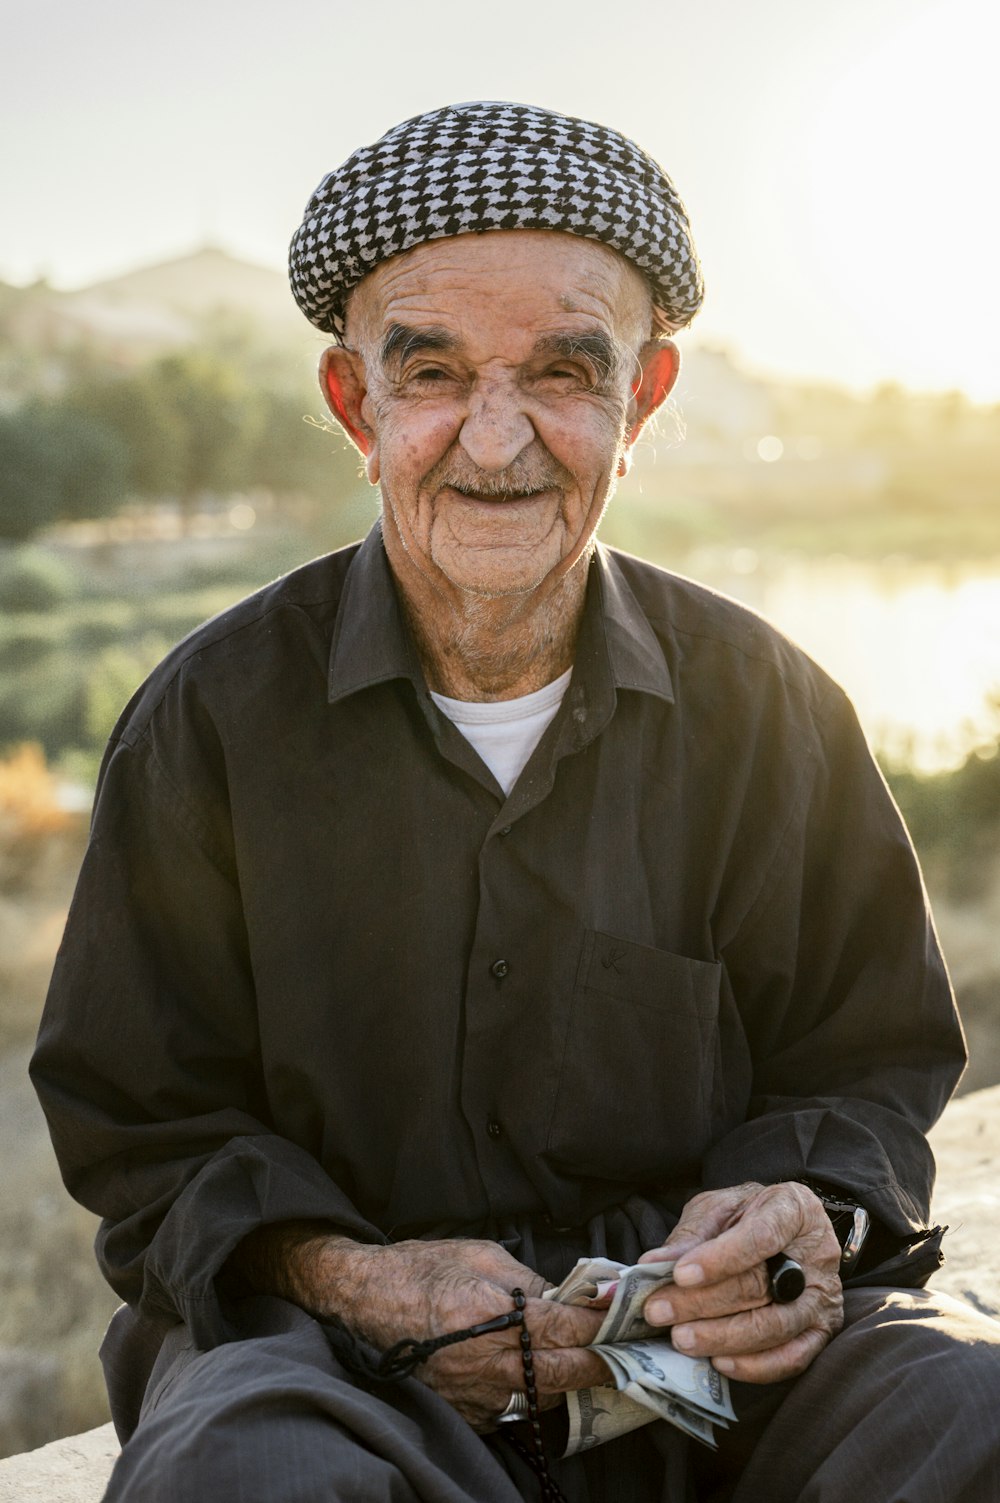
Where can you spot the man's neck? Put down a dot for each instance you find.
(488, 649)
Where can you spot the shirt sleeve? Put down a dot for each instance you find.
(148, 1062)
(840, 987)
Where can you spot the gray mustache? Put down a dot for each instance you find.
(522, 478)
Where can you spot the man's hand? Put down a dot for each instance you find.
(424, 1289)
(720, 1304)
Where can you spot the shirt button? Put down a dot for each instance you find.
(505, 830)
(499, 968)
(493, 1128)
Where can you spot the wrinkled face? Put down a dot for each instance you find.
(498, 372)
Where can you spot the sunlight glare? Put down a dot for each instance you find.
(904, 210)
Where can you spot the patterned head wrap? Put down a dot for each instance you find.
(469, 168)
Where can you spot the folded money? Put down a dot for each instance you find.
(651, 1380)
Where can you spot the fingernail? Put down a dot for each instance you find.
(659, 1312)
(689, 1273)
(682, 1336)
(724, 1364)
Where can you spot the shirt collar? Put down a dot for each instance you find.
(635, 655)
(371, 643)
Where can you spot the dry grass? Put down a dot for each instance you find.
(53, 1303)
(33, 823)
(40, 849)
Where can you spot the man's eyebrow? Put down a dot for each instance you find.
(399, 342)
(603, 352)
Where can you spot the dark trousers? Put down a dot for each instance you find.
(902, 1407)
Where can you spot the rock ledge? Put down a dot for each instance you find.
(74, 1470)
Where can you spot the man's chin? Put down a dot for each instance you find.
(493, 578)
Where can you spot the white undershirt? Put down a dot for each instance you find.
(507, 732)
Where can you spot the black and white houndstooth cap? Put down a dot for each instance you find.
(469, 168)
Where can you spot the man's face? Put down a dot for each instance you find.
(497, 372)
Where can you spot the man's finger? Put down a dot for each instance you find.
(754, 1330)
(556, 1326)
(673, 1304)
(789, 1360)
(703, 1217)
(560, 1370)
(781, 1218)
(678, 1244)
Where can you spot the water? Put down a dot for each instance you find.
(916, 645)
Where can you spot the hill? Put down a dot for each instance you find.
(205, 282)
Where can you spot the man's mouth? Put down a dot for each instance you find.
(501, 498)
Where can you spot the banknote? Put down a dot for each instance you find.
(674, 1411)
(597, 1415)
(624, 1320)
(651, 1380)
(656, 1366)
(591, 1280)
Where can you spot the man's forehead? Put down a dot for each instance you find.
(540, 284)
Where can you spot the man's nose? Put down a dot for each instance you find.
(496, 428)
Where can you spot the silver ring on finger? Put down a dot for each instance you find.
(517, 1409)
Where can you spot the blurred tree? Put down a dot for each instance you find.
(151, 433)
(34, 581)
(208, 406)
(55, 465)
(113, 679)
(29, 480)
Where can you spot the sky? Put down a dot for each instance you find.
(838, 162)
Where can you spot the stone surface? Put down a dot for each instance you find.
(967, 1145)
(75, 1470)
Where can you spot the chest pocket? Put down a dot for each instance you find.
(633, 1099)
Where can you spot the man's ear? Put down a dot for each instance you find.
(660, 365)
(342, 382)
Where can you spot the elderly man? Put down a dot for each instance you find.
(477, 899)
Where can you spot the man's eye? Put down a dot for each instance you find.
(567, 374)
(429, 374)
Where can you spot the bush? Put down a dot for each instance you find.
(33, 580)
(176, 615)
(90, 625)
(56, 464)
(26, 641)
(954, 817)
(43, 703)
(113, 680)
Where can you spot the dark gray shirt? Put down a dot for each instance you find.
(318, 965)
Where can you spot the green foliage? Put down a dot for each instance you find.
(111, 682)
(90, 625)
(150, 432)
(43, 701)
(216, 420)
(33, 580)
(68, 669)
(173, 616)
(209, 405)
(27, 640)
(954, 817)
(56, 464)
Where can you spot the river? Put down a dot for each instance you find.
(916, 645)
